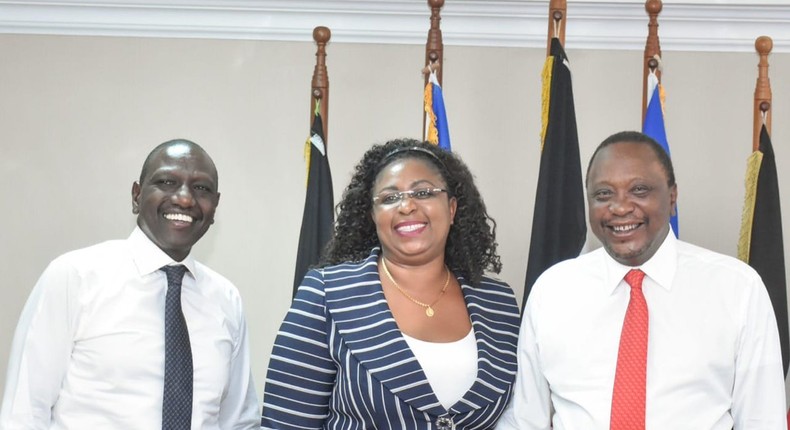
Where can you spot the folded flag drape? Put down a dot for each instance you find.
(559, 227)
(653, 125)
(318, 217)
(436, 128)
(760, 243)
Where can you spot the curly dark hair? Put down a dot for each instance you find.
(471, 244)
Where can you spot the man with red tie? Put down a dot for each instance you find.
(647, 332)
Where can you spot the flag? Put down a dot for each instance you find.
(318, 217)
(760, 244)
(559, 228)
(654, 124)
(436, 129)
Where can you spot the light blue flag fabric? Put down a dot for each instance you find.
(654, 127)
(441, 118)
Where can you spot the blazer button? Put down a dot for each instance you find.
(445, 423)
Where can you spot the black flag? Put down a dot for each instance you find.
(318, 217)
(559, 228)
(761, 243)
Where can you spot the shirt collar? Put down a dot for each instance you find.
(148, 258)
(660, 268)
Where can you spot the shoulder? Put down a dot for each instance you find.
(495, 289)
(494, 295)
(584, 266)
(101, 256)
(76, 273)
(724, 281)
(337, 280)
(695, 257)
(349, 268)
(349, 273)
(572, 278)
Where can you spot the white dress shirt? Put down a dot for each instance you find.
(713, 348)
(88, 352)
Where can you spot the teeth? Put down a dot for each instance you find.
(411, 227)
(178, 217)
(624, 228)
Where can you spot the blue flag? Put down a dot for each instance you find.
(654, 125)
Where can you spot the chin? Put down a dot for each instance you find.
(629, 257)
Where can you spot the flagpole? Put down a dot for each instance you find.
(320, 84)
(762, 91)
(557, 11)
(434, 50)
(652, 48)
(434, 47)
(318, 214)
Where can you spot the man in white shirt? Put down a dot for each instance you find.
(712, 345)
(89, 349)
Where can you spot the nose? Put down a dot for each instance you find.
(183, 197)
(620, 205)
(406, 204)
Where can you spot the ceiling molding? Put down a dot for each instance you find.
(695, 25)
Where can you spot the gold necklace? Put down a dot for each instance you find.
(428, 308)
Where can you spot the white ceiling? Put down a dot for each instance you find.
(695, 25)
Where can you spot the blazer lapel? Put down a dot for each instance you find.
(495, 324)
(356, 302)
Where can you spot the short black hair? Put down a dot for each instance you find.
(639, 138)
(471, 243)
(162, 146)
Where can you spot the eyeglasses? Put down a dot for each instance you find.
(393, 198)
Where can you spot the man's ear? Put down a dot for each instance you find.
(216, 204)
(135, 198)
(673, 195)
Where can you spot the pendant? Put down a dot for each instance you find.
(429, 311)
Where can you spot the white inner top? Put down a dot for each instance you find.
(451, 367)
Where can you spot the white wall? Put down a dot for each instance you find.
(79, 114)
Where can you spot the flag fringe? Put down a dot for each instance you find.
(431, 133)
(307, 153)
(753, 165)
(546, 76)
(662, 96)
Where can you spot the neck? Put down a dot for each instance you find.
(423, 277)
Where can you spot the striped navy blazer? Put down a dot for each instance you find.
(340, 362)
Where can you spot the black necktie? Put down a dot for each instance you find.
(177, 401)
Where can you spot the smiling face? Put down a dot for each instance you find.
(176, 198)
(414, 230)
(630, 201)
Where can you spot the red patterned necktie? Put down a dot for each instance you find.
(628, 396)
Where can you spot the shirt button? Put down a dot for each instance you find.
(445, 423)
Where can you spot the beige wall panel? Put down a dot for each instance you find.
(79, 114)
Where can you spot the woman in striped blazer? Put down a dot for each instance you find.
(400, 329)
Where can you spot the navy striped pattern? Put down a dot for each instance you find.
(340, 362)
